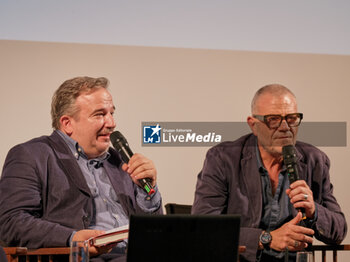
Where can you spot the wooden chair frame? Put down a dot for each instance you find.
(325, 248)
(14, 254)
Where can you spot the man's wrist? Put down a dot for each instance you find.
(70, 239)
(265, 240)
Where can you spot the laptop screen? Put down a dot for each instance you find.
(183, 238)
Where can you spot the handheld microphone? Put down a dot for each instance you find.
(120, 143)
(290, 160)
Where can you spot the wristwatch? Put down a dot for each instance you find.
(265, 239)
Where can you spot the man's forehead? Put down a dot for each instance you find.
(96, 94)
(276, 104)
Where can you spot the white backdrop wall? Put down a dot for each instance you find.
(171, 84)
(193, 82)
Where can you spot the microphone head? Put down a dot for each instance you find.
(120, 143)
(289, 154)
(117, 138)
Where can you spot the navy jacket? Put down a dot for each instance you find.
(44, 196)
(230, 183)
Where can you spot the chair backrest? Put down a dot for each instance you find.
(334, 248)
(172, 208)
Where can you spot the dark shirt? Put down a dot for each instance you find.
(276, 209)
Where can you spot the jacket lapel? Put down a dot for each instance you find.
(302, 167)
(252, 181)
(121, 182)
(68, 162)
(113, 170)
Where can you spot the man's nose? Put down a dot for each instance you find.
(109, 121)
(284, 125)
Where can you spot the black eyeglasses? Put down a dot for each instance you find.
(274, 121)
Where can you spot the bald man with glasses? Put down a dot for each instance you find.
(248, 177)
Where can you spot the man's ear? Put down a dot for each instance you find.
(252, 124)
(66, 125)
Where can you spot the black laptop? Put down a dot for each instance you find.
(183, 238)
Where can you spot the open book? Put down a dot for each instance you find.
(114, 235)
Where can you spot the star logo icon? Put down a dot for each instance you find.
(152, 134)
(156, 130)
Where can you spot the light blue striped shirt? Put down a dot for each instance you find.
(107, 210)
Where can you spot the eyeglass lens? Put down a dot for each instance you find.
(276, 120)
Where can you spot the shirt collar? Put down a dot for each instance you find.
(78, 151)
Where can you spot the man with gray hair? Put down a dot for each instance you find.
(248, 177)
(72, 185)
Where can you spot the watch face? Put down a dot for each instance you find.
(265, 238)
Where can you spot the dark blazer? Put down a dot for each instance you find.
(44, 196)
(229, 183)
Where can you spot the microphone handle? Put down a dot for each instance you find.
(146, 183)
(293, 176)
